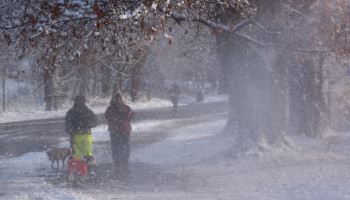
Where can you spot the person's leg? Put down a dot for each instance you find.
(117, 149)
(87, 145)
(114, 149)
(125, 152)
(82, 146)
(87, 150)
(77, 146)
(176, 101)
(120, 149)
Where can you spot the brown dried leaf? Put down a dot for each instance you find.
(98, 25)
(170, 41)
(148, 3)
(7, 39)
(98, 12)
(142, 23)
(33, 20)
(56, 12)
(45, 5)
(189, 3)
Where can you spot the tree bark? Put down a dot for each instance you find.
(4, 89)
(306, 96)
(106, 76)
(136, 74)
(48, 85)
(83, 81)
(258, 85)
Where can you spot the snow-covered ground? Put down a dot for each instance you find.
(31, 112)
(194, 162)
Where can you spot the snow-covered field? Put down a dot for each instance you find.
(31, 112)
(195, 162)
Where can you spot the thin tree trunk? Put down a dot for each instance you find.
(47, 77)
(94, 83)
(136, 74)
(83, 82)
(106, 77)
(4, 89)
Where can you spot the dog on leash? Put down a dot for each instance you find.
(57, 155)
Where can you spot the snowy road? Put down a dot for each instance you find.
(190, 159)
(17, 138)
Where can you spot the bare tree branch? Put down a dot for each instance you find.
(41, 23)
(240, 25)
(246, 37)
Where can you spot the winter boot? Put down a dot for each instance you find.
(91, 165)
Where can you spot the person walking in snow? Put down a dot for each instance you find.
(118, 116)
(174, 96)
(78, 123)
(199, 97)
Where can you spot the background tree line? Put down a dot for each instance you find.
(269, 56)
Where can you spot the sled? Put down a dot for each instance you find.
(78, 171)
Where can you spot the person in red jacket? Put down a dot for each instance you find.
(118, 116)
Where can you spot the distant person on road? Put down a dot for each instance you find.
(174, 96)
(78, 123)
(199, 97)
(118, 116)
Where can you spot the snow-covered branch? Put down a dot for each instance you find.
(235, 30)
(262, 44)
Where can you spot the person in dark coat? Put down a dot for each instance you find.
(118, 116)
(174, 96)
(199, 97)
(78, 123)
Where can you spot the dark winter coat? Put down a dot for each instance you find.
(118, 118)
(80, 119)
(175, 91)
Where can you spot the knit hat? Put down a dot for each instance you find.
(116, 98)
(79, 100)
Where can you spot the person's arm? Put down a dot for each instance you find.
(107, 114)
(68, 128)
(68, 123)
(129, 115)
(93, 119)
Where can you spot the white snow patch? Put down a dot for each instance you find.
(188, 146)
(27, 159)
(30, 111)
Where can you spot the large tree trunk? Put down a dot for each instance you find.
(258, 112)
(279, 107)
(223, 82)
(225, 50)
(306, 98)
(258, 85)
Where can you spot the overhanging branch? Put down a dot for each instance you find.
(246, 37)
(46, 23)
(235, 30)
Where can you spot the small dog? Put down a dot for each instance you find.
(57, 155)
